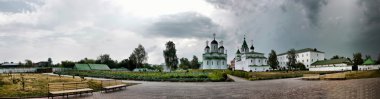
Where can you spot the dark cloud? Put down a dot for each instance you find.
(183, 25)
(370, 32)
(16, 6)
(312, 8)
(371, 10)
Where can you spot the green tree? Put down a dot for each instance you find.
(68, 64)
(272, 60)
(300, 66)
(139, 56)
(194, 63)
(28, 63)
(336, 57)
(184, 63)
(106, 59)
(357, 60)
(367, 57)
(50, 61)
(86, 61)
(291, 59)
(170, 55)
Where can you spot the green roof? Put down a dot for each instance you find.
(91, 67)
(369, 62)
(303, 50)
(99, 67)
(333, 61)
(82, 67)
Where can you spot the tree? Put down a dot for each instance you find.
(336, 57)
(170, 55)
(139, 56)
(367, 57)
(291, 59)
(300, 66)
(28, 63)
(105, 59)
(185, 63)
(357, 60)
(86, 61)
(50, 61)
(194, 63)
(68, 64)
(272, 60)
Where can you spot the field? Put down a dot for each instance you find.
(178, 76)
(362, 74)
(274, 75)
(35, 84)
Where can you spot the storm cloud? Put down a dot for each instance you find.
(184, 25)
(74, 29)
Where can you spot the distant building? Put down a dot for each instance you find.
(342, 64)
(91, 67)
(249, 60)
(10, 64)
(305, 56)
(232, 64)
(214, 56)
(43, 64)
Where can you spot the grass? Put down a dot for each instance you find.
(179, 76)
(35, 84)
(362, 74)
(275, 74)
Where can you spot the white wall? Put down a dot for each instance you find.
(368, 67)
(336, 68)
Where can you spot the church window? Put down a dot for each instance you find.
(207, 62)
(212, 63)
(251, 61)
(307, 60)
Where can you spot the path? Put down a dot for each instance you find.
(237, 79)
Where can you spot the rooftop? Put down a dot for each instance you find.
(333, 61)
(303, 50)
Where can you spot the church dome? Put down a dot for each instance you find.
(207, 47)
(214, 42)
(252, 48)
(221, 47)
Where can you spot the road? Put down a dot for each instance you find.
(292, 88)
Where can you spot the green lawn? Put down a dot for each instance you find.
(275, 74)
(179, 76)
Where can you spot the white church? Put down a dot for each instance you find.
(214, 57)
(249, 60)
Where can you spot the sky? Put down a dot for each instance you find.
(75, 29)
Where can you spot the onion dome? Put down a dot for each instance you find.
(252, 48)
(214, 42)
(221, 47)
(207, 47)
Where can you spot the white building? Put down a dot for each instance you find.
(249, 60)
(342, 64)
(214, 56)
(305, 56)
